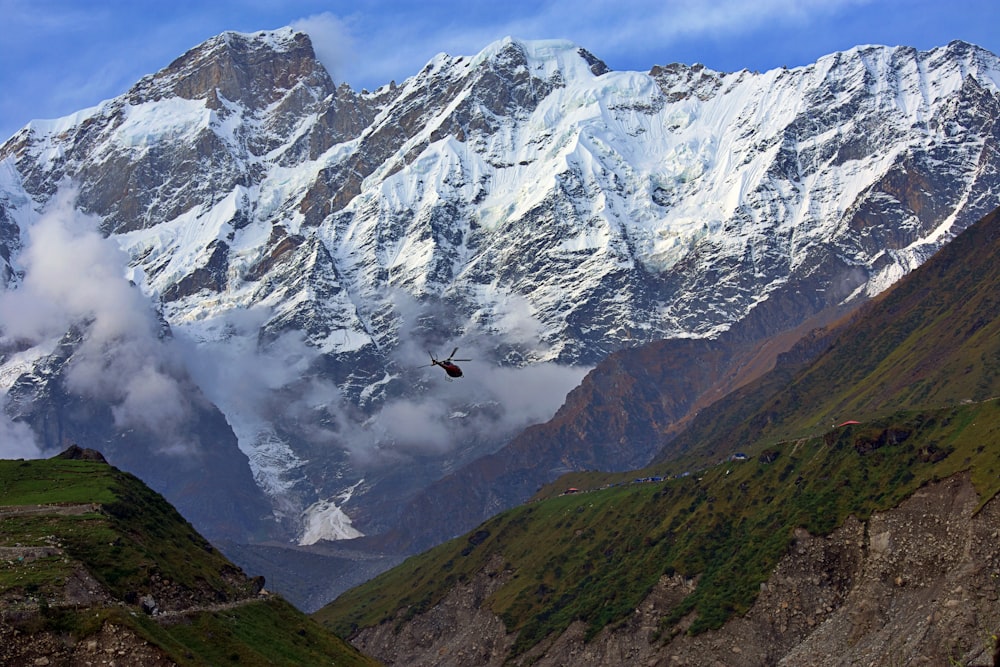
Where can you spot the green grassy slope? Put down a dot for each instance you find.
(85, 514)
(917, 368)
(594, 556)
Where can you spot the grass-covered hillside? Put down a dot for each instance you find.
(596, 554)
(919, 373)
(85, 547)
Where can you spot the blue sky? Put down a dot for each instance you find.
(60, 56)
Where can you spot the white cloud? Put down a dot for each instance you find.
(17, 441)
(332, 42)
(73, 276)
(638, 34)
(71, 273)
(622, 31)
(439, 416)
(276, 386)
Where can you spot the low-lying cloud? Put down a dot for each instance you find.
(277, 387)
(489, 404)
(439, 415)
(74, 278)
(17, 440)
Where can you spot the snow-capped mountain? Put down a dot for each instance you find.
(295, 248)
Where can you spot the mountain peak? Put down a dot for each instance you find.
(253, 69)
(543, 57)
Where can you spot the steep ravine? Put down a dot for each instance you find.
(917, 585)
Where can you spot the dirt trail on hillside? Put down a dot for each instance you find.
(61, 510)
(173, 616)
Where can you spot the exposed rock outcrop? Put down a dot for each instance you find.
(112, 645)
(78, 453)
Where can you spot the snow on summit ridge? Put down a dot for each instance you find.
(307, 245)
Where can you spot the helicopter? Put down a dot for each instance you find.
(448, 364)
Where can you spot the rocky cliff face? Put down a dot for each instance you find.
(914, 585)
